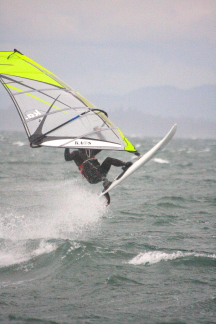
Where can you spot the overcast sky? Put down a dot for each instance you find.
(115, 46)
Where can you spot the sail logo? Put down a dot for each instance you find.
(86, 143)
(32, 114)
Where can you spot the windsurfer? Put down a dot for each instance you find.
(89, 166)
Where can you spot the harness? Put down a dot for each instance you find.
(81, 166)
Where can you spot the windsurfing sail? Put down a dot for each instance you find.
(52, 113)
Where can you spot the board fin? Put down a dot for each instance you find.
(107, 196)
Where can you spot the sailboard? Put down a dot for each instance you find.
(52, 113)
(142, 160)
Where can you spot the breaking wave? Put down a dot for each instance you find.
(158, 256)
(37, 226)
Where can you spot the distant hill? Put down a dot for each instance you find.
(199, 102)
(135, 122)
(150, 111)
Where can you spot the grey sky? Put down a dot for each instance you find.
(103, 46)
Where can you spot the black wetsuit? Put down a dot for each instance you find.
(89, 166)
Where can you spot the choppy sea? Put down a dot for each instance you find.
(150, 257)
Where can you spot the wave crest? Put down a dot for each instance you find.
(152, 257)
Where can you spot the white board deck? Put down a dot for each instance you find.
(143, 159)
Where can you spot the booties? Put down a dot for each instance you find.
(126, 166)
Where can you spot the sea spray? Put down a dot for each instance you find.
(57, 208)
(61, 211)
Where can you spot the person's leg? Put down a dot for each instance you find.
(106, 165)
(108, 162)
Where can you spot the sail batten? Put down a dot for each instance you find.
(53, 114)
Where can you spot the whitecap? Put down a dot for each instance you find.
(44, 247)
(18, 143)
(162, 161)
(152, 257)
(12, 257)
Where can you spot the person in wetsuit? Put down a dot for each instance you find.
(89, 166)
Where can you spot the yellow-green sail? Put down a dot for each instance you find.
(52, 113)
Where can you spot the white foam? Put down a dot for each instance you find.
(58, 211)
(137, 145)
(19, 143)
(17, 252)
(158, 256)
(162, 161)
(62, 210)
(206, 150)
(44, 247)
(10, 258)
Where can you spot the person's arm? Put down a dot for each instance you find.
(67, 155)
(137, 153)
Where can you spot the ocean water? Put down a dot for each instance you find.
(150, 257)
